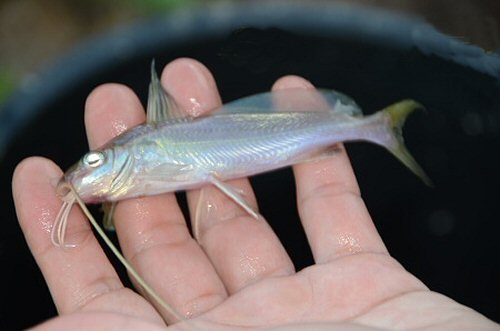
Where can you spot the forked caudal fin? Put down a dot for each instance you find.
(397, 114)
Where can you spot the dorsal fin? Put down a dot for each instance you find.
(161, 105)
(294, 100)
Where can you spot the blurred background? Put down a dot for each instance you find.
(34, 32)
(52, 54)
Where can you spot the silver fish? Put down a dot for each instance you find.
(172, 151)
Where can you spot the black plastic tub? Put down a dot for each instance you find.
(447, 236)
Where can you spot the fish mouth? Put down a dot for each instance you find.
(63, 188)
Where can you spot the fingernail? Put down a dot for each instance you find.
(292, 81)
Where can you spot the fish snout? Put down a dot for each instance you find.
(62, 188)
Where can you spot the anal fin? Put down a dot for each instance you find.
(109, 210)
(321, 155)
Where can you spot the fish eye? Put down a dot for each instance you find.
(93, 159)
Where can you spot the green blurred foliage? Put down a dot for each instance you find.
(8, 82)
(153, 6)
(77, 20)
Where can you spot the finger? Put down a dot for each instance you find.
(116, 107)
(152, 230)
(242, 249)
(79, 278)
(332, 212)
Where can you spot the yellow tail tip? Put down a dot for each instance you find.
(397, 114)
(399, 111)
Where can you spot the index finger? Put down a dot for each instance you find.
(152, 230)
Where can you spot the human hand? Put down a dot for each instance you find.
(238, 276)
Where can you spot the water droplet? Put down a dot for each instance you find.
(251, 266)
(349, 243)
(118, 127)
(46, 220)
(196, 107)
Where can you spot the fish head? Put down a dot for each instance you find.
(94, 176)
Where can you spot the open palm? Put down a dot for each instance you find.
(237, 275)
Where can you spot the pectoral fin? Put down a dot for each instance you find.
(161, 105)
(233, 193)
(207, 208)
(109, 210)
(168, 172)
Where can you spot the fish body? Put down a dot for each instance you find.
(181, 154)
(172, 151)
